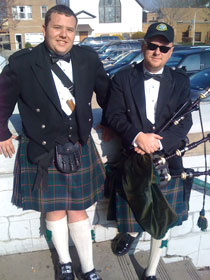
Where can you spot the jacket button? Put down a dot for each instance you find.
(90, 120)
(69, 135)
(43, 126)
(70, 119)
(44, 143)
(128, 110)
(38, 110)
(89, 103)
(70, 127)
(153, 127)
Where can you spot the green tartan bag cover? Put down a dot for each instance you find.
(141, 185)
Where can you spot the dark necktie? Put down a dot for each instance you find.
(157, 77)
(55, 57)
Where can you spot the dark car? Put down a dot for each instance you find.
(122, 44)
(191, 60)
(199, 82)
(111, 55)
(97, 42)
(134, 56)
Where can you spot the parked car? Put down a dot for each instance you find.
(3, 63)
(191, 60)
(97, 42)
(134, 56)
(108, 56)
(122, 44)
(112, 60)
(199, 82)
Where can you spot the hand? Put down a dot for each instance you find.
(148, 142)
(139, 151)
(7, 147)
(107, 133)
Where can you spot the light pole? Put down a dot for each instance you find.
(194, 20)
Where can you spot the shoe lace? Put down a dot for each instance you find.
(66, 269)
(94, 276)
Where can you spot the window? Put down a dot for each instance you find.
(197, 36)
(109, 11)
(62, 2)
(22, 12)
(191, 62)
(205, 60)
(43, 11)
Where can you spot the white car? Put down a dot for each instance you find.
(2, 63)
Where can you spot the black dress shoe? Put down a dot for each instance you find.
(65, 272)
(121, 243)
(144, 277)
(91, 275)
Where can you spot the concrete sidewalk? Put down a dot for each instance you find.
(40, 266)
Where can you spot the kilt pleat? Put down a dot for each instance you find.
(173, 192)
(75, 191)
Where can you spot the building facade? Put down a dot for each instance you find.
(191, 25)
(107, 17)
(25, 24)
(100, 17)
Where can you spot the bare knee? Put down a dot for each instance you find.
(55, 215)
(76, 216)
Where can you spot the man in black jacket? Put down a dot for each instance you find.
(53, 115)
(143, 98)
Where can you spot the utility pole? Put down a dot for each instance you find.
(194, 20)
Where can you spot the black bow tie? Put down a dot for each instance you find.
(55, 57)
(157, 77)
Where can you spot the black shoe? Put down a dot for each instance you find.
(144, 277)
(65, 272)
(122, 243)
(91, 275)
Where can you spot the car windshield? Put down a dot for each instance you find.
(200, 80)
(127, 58)
(103, 48)
(174, 59)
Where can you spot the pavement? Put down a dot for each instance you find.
(40, 265)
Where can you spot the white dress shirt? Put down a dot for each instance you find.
(151, 89)
(63, 93)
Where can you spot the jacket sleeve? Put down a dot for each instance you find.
(102, 89)
(8, 99)
(119, 109)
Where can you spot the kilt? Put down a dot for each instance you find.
(174, 194)
(75, 191)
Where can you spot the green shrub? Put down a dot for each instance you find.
(138, 35)
(28, 45)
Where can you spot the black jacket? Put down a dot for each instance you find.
(27, 79)
(126, 111)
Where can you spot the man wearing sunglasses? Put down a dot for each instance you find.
(143, 98)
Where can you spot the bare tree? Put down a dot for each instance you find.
(157, 4)
(6, 13)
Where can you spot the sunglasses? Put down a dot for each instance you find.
(153, 47)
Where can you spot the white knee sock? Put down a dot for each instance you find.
(81, 235)
(155, 254)
(60, 238)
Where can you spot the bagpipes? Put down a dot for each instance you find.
(160, 161)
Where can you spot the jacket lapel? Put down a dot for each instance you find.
(137, 88)
(79, 70)
(165, 91)
(42, 71)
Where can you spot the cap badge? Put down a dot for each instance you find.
(161, 27)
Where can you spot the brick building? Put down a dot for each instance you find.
(25, 24)
(190, 24)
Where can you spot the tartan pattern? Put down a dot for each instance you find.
(75, 191)
(174, 194)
